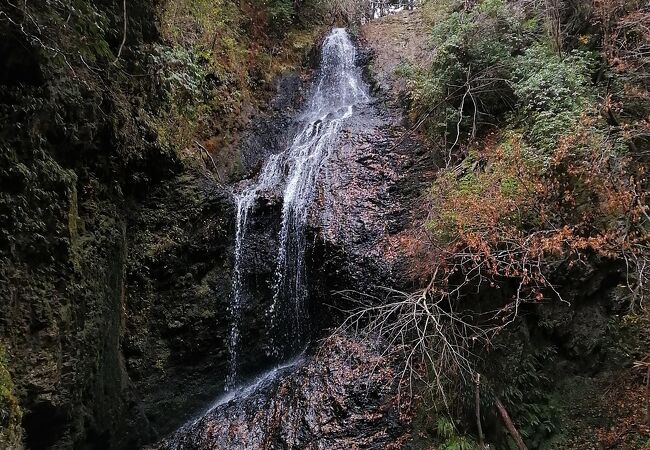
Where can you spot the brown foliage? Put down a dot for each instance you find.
(506, 214)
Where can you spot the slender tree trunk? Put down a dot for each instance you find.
(124, 25)
(554, 23)
(505, 417)
(477, 401)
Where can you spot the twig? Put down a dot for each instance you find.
(119, 51)
(202, 148)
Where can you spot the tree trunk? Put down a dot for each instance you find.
(477, 401)
(505, 417)
(647, 392)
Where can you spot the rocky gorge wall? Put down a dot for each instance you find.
(71, 153)
(179, 278)
(116, 259)
(115, 247)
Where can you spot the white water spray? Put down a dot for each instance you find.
(338, 89)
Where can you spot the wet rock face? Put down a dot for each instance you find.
(178, 285)
(179, 276)
(366, 194)
(270, 131)
(344, 397)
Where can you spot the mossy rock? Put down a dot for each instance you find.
(10, 412)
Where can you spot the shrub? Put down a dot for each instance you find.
(545, 177)
(467, 87)
(449, 437)
(506, 213)
(552, 92)
(547, 82)
(215, 66)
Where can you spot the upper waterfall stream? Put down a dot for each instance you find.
(295, 170)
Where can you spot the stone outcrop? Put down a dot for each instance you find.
(345, 396)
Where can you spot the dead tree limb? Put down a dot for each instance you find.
(505, 417)
(205, 150)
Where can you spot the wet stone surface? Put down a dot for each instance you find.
(343, 397)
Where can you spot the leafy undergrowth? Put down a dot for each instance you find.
(216, 66)
(539, 115)
(10, 412)
(557, 182)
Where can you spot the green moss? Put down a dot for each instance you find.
(469, 184)
(216, 67)
(73, 228)
(10, 412)
(509, 186)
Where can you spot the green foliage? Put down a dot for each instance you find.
(434, 11)
(179, 73)
(216, 66)
(630, 337)
(544, 170)
(469, 77)
(492, 66)
(180, 77)
(485, 191)
(281, 14)
(445, 427)
(527, 391)
(449, 437)
(10, 412)
(552, 92)
(200, 23)
(525, 387)
(545, 81)
(491, 60)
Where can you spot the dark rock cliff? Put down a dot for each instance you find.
(72, 153)
(115, 249)
(179, 275)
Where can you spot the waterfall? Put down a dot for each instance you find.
(271, 175)
(337, 90)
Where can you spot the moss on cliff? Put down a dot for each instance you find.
(86, 139)
(10, 412)
(215, 68)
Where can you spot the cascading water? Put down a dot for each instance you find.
(269, 177)
(298, 173)
(339, 88)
